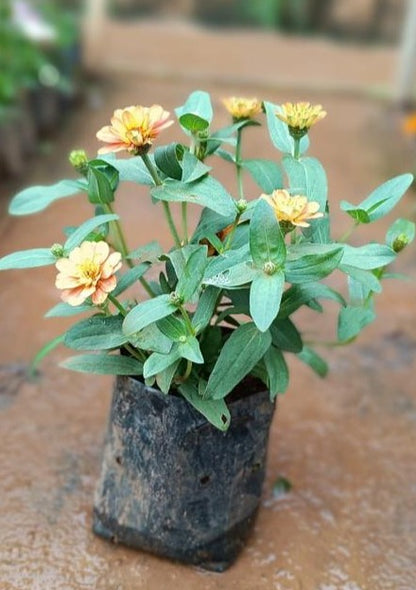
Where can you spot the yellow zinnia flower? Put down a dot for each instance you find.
(292, 210)
(134, 129)
(242, 108)
(88, 271)
(300, 116)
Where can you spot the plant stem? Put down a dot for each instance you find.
(296, 151)
(232, 232)
(135, 352)
(347, 234)
(238, 165)
(117, 304)
(153, 173)
(187, 319)
(185, 222)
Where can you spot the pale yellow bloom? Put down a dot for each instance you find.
(88, 271)
(295, 210)
(242, 108)
(300, 116)
(133, 129)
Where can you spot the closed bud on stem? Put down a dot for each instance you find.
(176, 299)
(269, 268)
(57, 250)
(241, 206)
(400, 243)
(79, 160)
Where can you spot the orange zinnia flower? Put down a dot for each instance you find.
(409, 124)
(88, 271)
(133, 129)
(294, 210)
(242, 108)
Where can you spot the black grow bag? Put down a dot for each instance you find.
(172, 483)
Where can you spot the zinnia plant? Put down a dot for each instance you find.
(224, 305)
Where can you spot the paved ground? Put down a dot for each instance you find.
(347, 443)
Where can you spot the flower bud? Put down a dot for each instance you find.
(241, 206)
(57, 250)
(400, 243)
(79, 160)
(176, 299)
(269, 267)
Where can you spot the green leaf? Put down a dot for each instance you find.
(362, 282)
(130, 169)
(206, 192)
(265, 297)
(130, 277)
(279, 133)
(206, 306)
(164, 378)
(37, 198)
(352, 320)
(240, 274)
(63, 310)
(156, 362)
(241, 352)
(150, 252)
(266, 173)
(382, 200)
(313, 267)
(146, 313)
(103, 364)
(196, 114)
(98, 332)
(266, 240)
(299, 295)
(109, 171)
(99, 187)
(190, 350)
(151, 338)
(226, 260)
(367, 257)
(167, 160)
(193, 272)
(173, 327)
(286, 336)
(27, 259)
(314, 361)
(215, 411)
(192, 168)
(359, 215)
(85, 229)
(400, 233)
(277, 371)
(211, 222)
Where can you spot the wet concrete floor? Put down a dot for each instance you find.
(347, 443)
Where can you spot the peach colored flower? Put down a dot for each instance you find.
(88, 271)
(294, 210)
(242, 108)
(133, 129)
(300, 116)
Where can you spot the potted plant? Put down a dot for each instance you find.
(199, 362)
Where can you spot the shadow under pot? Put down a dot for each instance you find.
(173, 484)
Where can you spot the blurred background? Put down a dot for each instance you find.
(347, 442)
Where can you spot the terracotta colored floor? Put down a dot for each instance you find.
(346, 443)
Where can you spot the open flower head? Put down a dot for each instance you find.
(292, 211)
(242, 108)
(134, 129)
(89, 270)
(300, 116)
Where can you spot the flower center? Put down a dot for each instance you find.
(89, 271)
